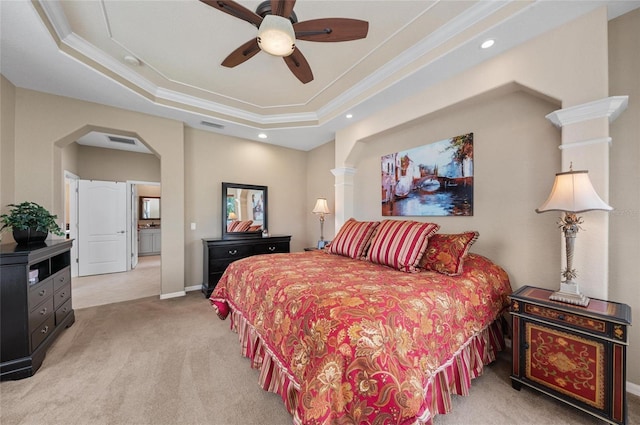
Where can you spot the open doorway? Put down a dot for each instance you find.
(92, 161)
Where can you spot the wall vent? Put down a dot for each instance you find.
(124, 140)
(212, 124)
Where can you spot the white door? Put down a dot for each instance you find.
(102, 220)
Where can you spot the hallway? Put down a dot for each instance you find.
(143, 281)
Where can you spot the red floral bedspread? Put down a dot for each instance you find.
(354, 341)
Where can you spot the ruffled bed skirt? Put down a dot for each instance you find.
(453, 377)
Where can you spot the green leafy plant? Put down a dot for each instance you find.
(29, 215)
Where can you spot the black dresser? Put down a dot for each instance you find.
(35, 301)
(219, 253)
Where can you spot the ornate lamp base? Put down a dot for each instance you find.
(570, 294)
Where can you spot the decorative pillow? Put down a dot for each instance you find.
(243, 226)
(400, 243)
(353, 238)
(446, 253)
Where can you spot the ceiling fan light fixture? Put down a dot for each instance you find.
(276, 36)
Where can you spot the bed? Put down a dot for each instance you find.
(346, 340)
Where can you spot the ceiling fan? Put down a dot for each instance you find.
(278, 30)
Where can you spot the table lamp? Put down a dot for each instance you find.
(572, 193)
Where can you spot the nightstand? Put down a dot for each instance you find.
(575, 354)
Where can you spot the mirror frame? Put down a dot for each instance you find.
(223, 219)
(141, 202)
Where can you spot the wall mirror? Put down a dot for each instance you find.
(244, 210)
(149, 208)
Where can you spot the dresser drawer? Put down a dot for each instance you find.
(233, 252)
(62, 295)
(216, 265)
(271, 248)
(40, 313)
(63, 311)
(61, 278)
(562, 317)
(40, 292)
(42, 332)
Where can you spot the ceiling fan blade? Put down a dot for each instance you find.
(299, 66)
(242, 53)
(282, 7)
(331, 29)
(234, 9)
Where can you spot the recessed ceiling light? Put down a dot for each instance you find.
(349, 116)
(262, 136)
(488, 43)
(132, 60)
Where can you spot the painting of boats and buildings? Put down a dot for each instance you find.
(430, 180)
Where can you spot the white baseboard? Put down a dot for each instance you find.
(173, 295)
(633, 388)
(193, 288)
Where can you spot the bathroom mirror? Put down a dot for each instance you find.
(149, 208)
(244, 210)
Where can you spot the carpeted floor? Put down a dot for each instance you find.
(166, 362)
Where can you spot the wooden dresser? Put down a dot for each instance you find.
(219, 253)
(575, 354)
(35, 298)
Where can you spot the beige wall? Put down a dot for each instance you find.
(211, 159)
(320, 185)
(116, 165)
(7, 142)
(624, 72)
(514, 166)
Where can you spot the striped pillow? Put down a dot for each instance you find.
(243, 226)
(400, 243)
(353, 238)
(446, 253)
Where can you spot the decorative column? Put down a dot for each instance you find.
(585, 144)
(344, 194)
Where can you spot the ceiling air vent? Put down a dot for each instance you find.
(212, 124)
(124, 140)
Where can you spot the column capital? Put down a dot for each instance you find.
(344, 171)
(609, 107)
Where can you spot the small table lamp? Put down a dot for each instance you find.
(321, 208)
(233, 216)
(572, 193)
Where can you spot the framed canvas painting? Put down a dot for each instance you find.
(430, 180)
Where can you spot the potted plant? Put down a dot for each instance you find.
(30, 222)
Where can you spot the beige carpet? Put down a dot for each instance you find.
(141, 282)
(166, 362)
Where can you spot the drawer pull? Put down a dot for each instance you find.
(63, 294)
(272, 248)
(525, 345)
(42, 292)
(43, 311)
(234, 252)
(64, 310)
(561, 317)
(45, 329)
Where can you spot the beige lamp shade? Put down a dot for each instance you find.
(573, 192)
(276, 36)
(321, 207)
(233, 216)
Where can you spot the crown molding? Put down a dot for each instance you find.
(610, 107)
